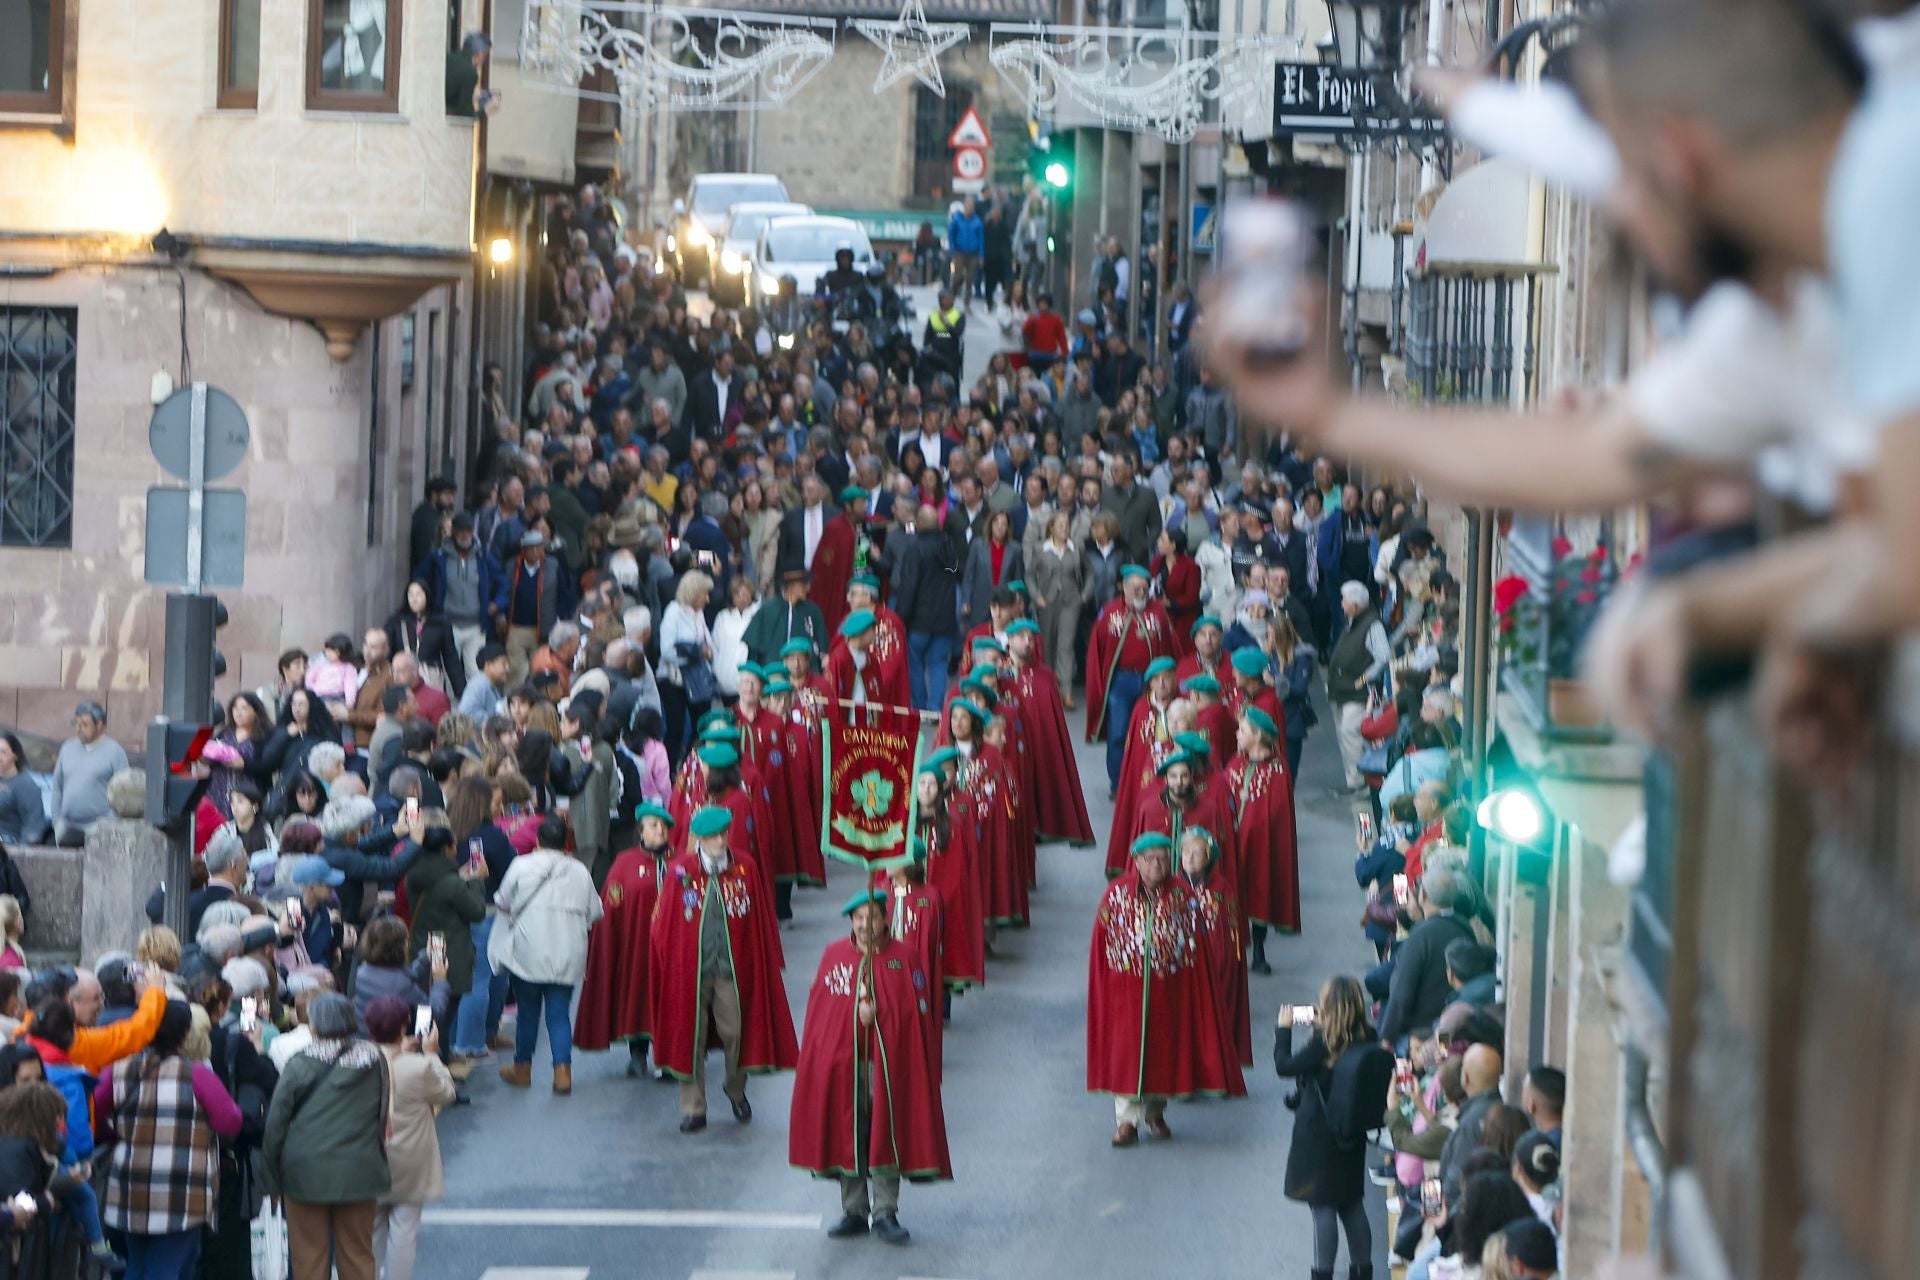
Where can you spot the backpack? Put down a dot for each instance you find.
(1356, 1102)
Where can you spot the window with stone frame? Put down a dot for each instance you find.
(39, 358)
(353, 55)
(934, 120)
(37, 47)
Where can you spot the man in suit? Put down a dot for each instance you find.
(1000, 495)
(1030, 518)
(711, 394)
(967, 518)
(1134, 505)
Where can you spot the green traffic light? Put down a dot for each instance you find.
(1057, 175)
(1514, 814)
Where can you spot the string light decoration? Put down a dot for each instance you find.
(912, 46)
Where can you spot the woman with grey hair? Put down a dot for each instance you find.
(345, 823)
(686, 661)
(324, 1150)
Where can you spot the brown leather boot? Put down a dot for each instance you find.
(518, 1074)
(563, 1080)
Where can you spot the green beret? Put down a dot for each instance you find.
(712, 820)
(1159, 666)
(720, 733)
(1133, 571)
(751, 669)
(777, 684)
(719, 715)
(1202, 683)
(973, 709)
(866, 580)
(768, 670)
(1262, 722)
(943, 757)
(858, 622)
(935, 768)
(1178, 757)
(1194, 744)
(799, 644)
(1206, 620)
(1250, 661)
(878, 897)
(1018, 587)
(985, 696)
(1149, 842)
(853, 493)
(718, 755)
(988, 642)
(651, 810)
(1019, 625)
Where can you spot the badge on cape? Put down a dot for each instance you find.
(615, 893)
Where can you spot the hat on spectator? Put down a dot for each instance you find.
(718, 755)
(463, 519)
(1256, 597)
(1148, 843)
(799, 644)
(625, 534)
(312, 869)
(1250, 661)
(1202, 683)
(1022, 625)
(652, 810)
(1262, 722)
(1206, 620)
(1087, 317)
(859, 622)
(1158, 667)
(711, 821)
(793, 575)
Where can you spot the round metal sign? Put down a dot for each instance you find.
(969, 163)
(170, 435)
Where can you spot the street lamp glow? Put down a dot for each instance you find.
(1514, 815)
(1057, 174)
(500, 251)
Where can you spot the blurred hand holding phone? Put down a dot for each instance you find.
(422, 1020)
(1264, 255)
(1433, 1203)
(1400, 888)
(249, 1013)
(1363, 823)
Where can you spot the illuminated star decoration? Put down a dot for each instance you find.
(913, 46)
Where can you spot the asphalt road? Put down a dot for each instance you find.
(602, 1185)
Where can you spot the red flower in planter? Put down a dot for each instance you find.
(1586, 597)
(1598, 554)
(1562, 548)
(1506, 623)
(1508, 591)
(1591, 574)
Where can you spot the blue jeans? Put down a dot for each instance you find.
(82, 1208)
(478, 1018)
(558, 999)
(162, 1257)
(1122, 693)
(927, 657)
(1295, 746)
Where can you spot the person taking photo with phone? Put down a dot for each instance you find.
(421, 1087)
(1342, 1075)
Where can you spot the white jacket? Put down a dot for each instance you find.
(730, 646)
(547, 903)
(1217, 591)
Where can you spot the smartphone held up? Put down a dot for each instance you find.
(1263, 303)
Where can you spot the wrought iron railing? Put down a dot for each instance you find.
(1467, 331)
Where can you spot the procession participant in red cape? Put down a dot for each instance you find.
(981, 652)
(786, 793)
(953, 855)
(792, 753)
(916, 915)
(864, 692)
(714, 962)
(1148, 741)
(1003, 610)
(1211, 716)
(1003, 882)
(1209, 658)
(1130, 632)
(689, 790)
(1059, 807)
(997, 735)
(1222, 930)
(812, 693)
(1251, 671)
(1268, 875)
(1154, 1029)
(833, 563)
(1179, 802)
(989, 686)
(887, 644)
(866, 1099)
(722, 785)
(614, 999)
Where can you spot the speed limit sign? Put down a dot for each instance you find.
(969, 163)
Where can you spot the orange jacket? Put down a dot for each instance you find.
(97, 1048)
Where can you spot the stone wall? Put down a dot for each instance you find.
(81, 622)
(54, 878)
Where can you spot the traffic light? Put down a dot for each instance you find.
(1050, 162)
(175, 777)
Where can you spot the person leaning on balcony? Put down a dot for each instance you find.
(86, 763)
(464, 66)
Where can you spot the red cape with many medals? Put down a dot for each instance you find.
(766, 1027)
(784, 755)
(1154, 1016)
(953, 870)
(906, 1134)
(1268, 873)
(614, 997)
(886, 675)
(1149, 741)
(749, 834)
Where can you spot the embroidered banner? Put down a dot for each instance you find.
(869, 787)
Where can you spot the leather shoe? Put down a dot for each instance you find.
(1259, 963)
(743, 1111)
(563, 1080)
(889, 1230)
(851, 1224)
(1125, 1136)
(518, 1074)
(692, 1124)
(1157, 1127)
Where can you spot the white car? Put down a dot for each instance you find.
(697, 218)
(732, 278)
(804, 248)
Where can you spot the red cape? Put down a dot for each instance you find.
(1219, 724)
(766, 1027)
(886, 686)
(1154, 1025)
(1148, 743)
(614, 997)
(748, 836)
(986, 629)
(786, 758)
(1220, 669)
(918, 920)
(906, 1131)
(811, 700)
(1122, 639)
(1222, 929)
(1182, 588)
(832, 569)
(953, 872)
(996, 810)
(1267, 700)
(1269, 867)
(886, 650)
(1059, 805)
(1209, 809)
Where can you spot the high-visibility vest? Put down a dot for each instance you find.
(942, 321)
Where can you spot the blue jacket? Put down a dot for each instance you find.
(966, 234)
(1412, 771)
(1327, 554)
(1375, 871)
(432, 573)
(76, 1086)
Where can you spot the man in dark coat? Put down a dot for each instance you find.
(424, 534)
(786, 617)
(925, 585)
(1134, 505)
(1419, 990)
(711, 394)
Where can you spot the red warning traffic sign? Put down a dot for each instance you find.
(969, 163)
(970, 132)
